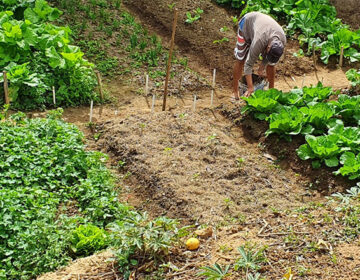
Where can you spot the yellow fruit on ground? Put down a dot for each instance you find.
(192, 243)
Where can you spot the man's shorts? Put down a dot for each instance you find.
(242, 48)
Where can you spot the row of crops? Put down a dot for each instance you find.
(38, 55)
(312, 22)
(331, 128)
(59, 201)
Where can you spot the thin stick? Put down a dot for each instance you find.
(6, 88)
(212, 98)
(91, 110)
(314, 55)
(170, 56)
(153, 103)
(303, 81)
(214, 79)
(314, 60)
(147, 85)
(54, 95)
(213, 88)
(100, 85)
(194, 104)
(180, 83)
(341, 57)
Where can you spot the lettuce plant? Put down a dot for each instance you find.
(288, 121)
(351, 165)
(262, 103)
(321, 149)
(318, 115)
(348, 108)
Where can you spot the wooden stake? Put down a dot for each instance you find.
(100, 85)
(303, 81)
(194, 104)
(91, 110)
(213, 88)
(6, 88)
(214, 79)
(314, 60)
(153, 103)
(54, 96)
(341, 57)
(170, 56)
(314, 55)
(212, 98)
(147, 85)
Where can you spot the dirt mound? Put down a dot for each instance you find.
(192, 166)
(98, 266)
(198, 39)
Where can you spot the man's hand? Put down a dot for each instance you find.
(249, 92)
(261, 70)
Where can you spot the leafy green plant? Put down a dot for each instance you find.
(190, 18)
(262, 103)
(87, 239)
(38, 56)
(348, 108)
(287, 122)
(137, 239)
(353, 76)
(318, 115)
(249, 259)
(215, 272)
(351, 165)
(321, 148)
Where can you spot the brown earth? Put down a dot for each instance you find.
(348, 11)
(214, 168)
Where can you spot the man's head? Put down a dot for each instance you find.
(274, 51)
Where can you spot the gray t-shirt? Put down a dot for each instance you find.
(258, 30)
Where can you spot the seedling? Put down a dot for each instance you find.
(250, 260)
(215, 272)
(224, 29)
(239, 162)
(197, 14)
(171, 6)
(168, 150)
(223, 40)
(121, 163)
(235, 20)
(212, 137)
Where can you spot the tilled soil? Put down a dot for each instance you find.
(197, 39)
(189, 165)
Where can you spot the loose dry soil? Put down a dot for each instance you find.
(213, 167)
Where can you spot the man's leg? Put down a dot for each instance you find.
(238, 70)
(270, 72)
(240, 52)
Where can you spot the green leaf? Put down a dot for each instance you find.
(332, 162)
(54, 58)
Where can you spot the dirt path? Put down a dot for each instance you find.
(203, 168)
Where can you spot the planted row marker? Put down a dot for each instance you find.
(91, 110)
(54, 96)
(169, 59)
(194, 104)
(213, 88)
